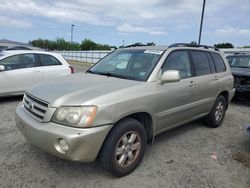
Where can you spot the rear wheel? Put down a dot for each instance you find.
(124, 148)
(217, 114)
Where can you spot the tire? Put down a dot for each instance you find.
(217, 113)
(124, 148)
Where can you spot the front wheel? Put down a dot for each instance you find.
(124, 148)
(217, 114)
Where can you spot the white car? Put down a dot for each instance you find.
(21, 69)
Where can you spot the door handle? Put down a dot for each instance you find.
(36, 71)
(216, 78)
(192, 84)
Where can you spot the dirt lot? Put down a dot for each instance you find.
(183, 157)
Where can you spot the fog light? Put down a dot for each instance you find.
(61, 145)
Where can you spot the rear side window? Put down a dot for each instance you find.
(48, 60)
(219, 63)
(201, 63)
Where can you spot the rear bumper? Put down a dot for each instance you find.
(83, 144)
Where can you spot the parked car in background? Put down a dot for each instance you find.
(23, 68)
(240, 67)
(123, 101)
(18, 48)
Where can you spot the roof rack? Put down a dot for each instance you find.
(193, 45)
(135, 45)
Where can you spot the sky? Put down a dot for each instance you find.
(116, 21)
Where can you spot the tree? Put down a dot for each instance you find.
(88, 44)
(61, 44)
(224, 45)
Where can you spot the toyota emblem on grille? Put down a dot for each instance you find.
(31, 105)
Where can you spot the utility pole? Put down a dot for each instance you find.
(72, 27)
(201, 24)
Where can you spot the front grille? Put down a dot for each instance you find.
(36, 107)
(245, 80)
(242, 80)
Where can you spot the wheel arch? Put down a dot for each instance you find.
(225, 94)
(143, 117)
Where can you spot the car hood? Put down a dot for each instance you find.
(78, 89)
(240, 71)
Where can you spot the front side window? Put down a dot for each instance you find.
(18, 61)
(178, 60)
(239, 61)
(200, 62)
(48, 60)
(128, 64)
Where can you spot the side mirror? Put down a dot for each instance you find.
(2, 68)
(170, 76)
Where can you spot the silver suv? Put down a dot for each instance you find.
(110, 112)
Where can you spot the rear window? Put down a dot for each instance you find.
(200, 62)
(219, 63)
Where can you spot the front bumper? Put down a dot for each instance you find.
(83, 144)
(242, 88)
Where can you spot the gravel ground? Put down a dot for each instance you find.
(183, 157)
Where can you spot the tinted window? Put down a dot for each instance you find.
(47, 60)
(201, 63)
(211, 62)
(18, 61)
(178, 60)
(219, 63)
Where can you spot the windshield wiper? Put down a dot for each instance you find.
(108, 74)
(89, 71)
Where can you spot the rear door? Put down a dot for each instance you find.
(51, 67)
(206, 81)
(19, 74)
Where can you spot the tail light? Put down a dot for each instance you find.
(71, 69)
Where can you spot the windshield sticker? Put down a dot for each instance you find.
(153, 52)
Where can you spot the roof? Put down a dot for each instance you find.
(176, 45)
(239, 55)
(162, 48)
(17, 52)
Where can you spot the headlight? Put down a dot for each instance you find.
(82, 116)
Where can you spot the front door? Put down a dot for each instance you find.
(175, 99)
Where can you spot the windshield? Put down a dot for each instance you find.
(239, 61)
(128, 64)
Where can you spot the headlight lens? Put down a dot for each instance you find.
(82, 116)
